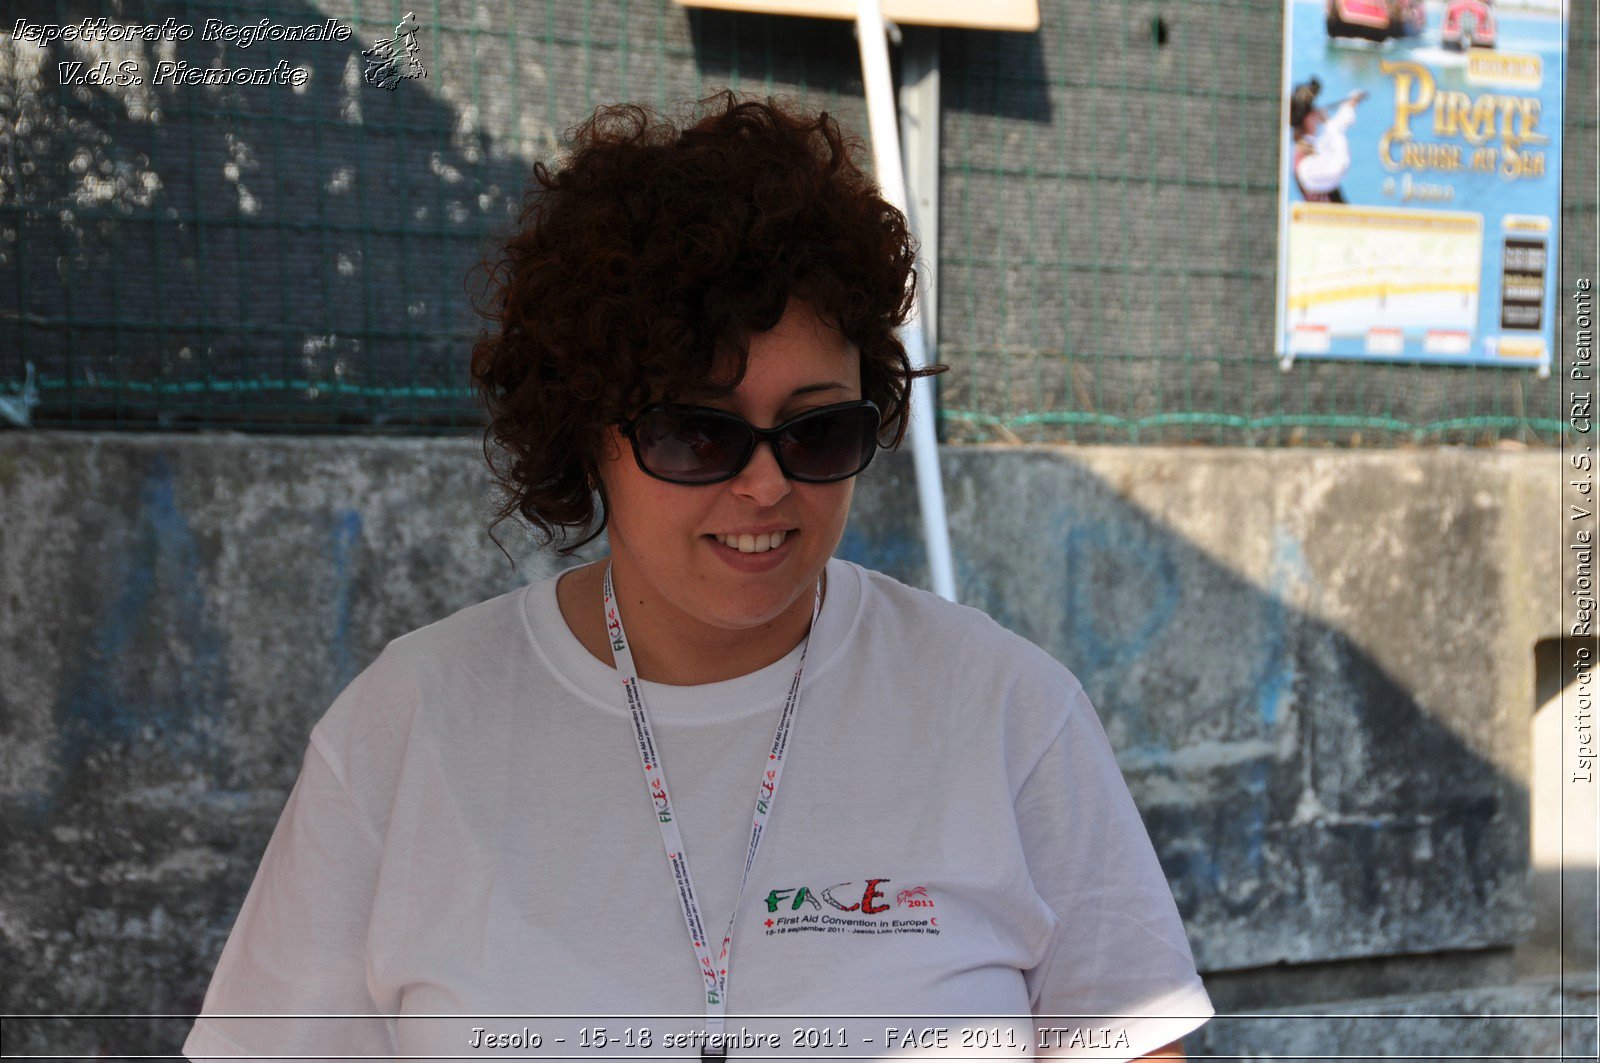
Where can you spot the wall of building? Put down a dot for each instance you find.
(1317, 668)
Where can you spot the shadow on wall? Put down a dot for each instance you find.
(253, 253)
(1306, 803)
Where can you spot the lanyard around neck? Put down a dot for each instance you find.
(715, 973)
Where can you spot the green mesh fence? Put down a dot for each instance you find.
(265, 258)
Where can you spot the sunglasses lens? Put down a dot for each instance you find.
(690, 447)
(831, 446)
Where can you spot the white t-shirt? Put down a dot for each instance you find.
(471, 835)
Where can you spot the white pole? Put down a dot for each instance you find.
(885, 130)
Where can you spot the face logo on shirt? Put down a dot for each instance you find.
(658, 794)
(806, 895)
(614, 629)
(861, 913)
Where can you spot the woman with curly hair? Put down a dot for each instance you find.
(891, 805)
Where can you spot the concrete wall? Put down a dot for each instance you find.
(1528, 1021)
(1317, 669)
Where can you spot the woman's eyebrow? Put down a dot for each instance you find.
(809, 388)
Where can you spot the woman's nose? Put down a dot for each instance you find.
(761, 480)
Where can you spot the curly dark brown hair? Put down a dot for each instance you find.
(640, 267)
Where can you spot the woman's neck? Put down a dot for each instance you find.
(666, 649)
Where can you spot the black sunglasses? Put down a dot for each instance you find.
(700, 445)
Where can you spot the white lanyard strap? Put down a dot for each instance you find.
(715, 974)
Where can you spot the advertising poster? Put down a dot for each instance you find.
(1420, 192)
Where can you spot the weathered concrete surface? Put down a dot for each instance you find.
(1527, 1020)
(175, 613)
(1316, 668)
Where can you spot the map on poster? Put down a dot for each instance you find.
(1419, 205)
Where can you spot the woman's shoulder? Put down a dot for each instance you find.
(418, 691)
(943, 641)
(489, 627)
(944, 624)
(955, 671)
(419, 665)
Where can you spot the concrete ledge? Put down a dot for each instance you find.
(1537, 1020)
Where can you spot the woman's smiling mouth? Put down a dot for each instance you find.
(754, 552)
(752, 544)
